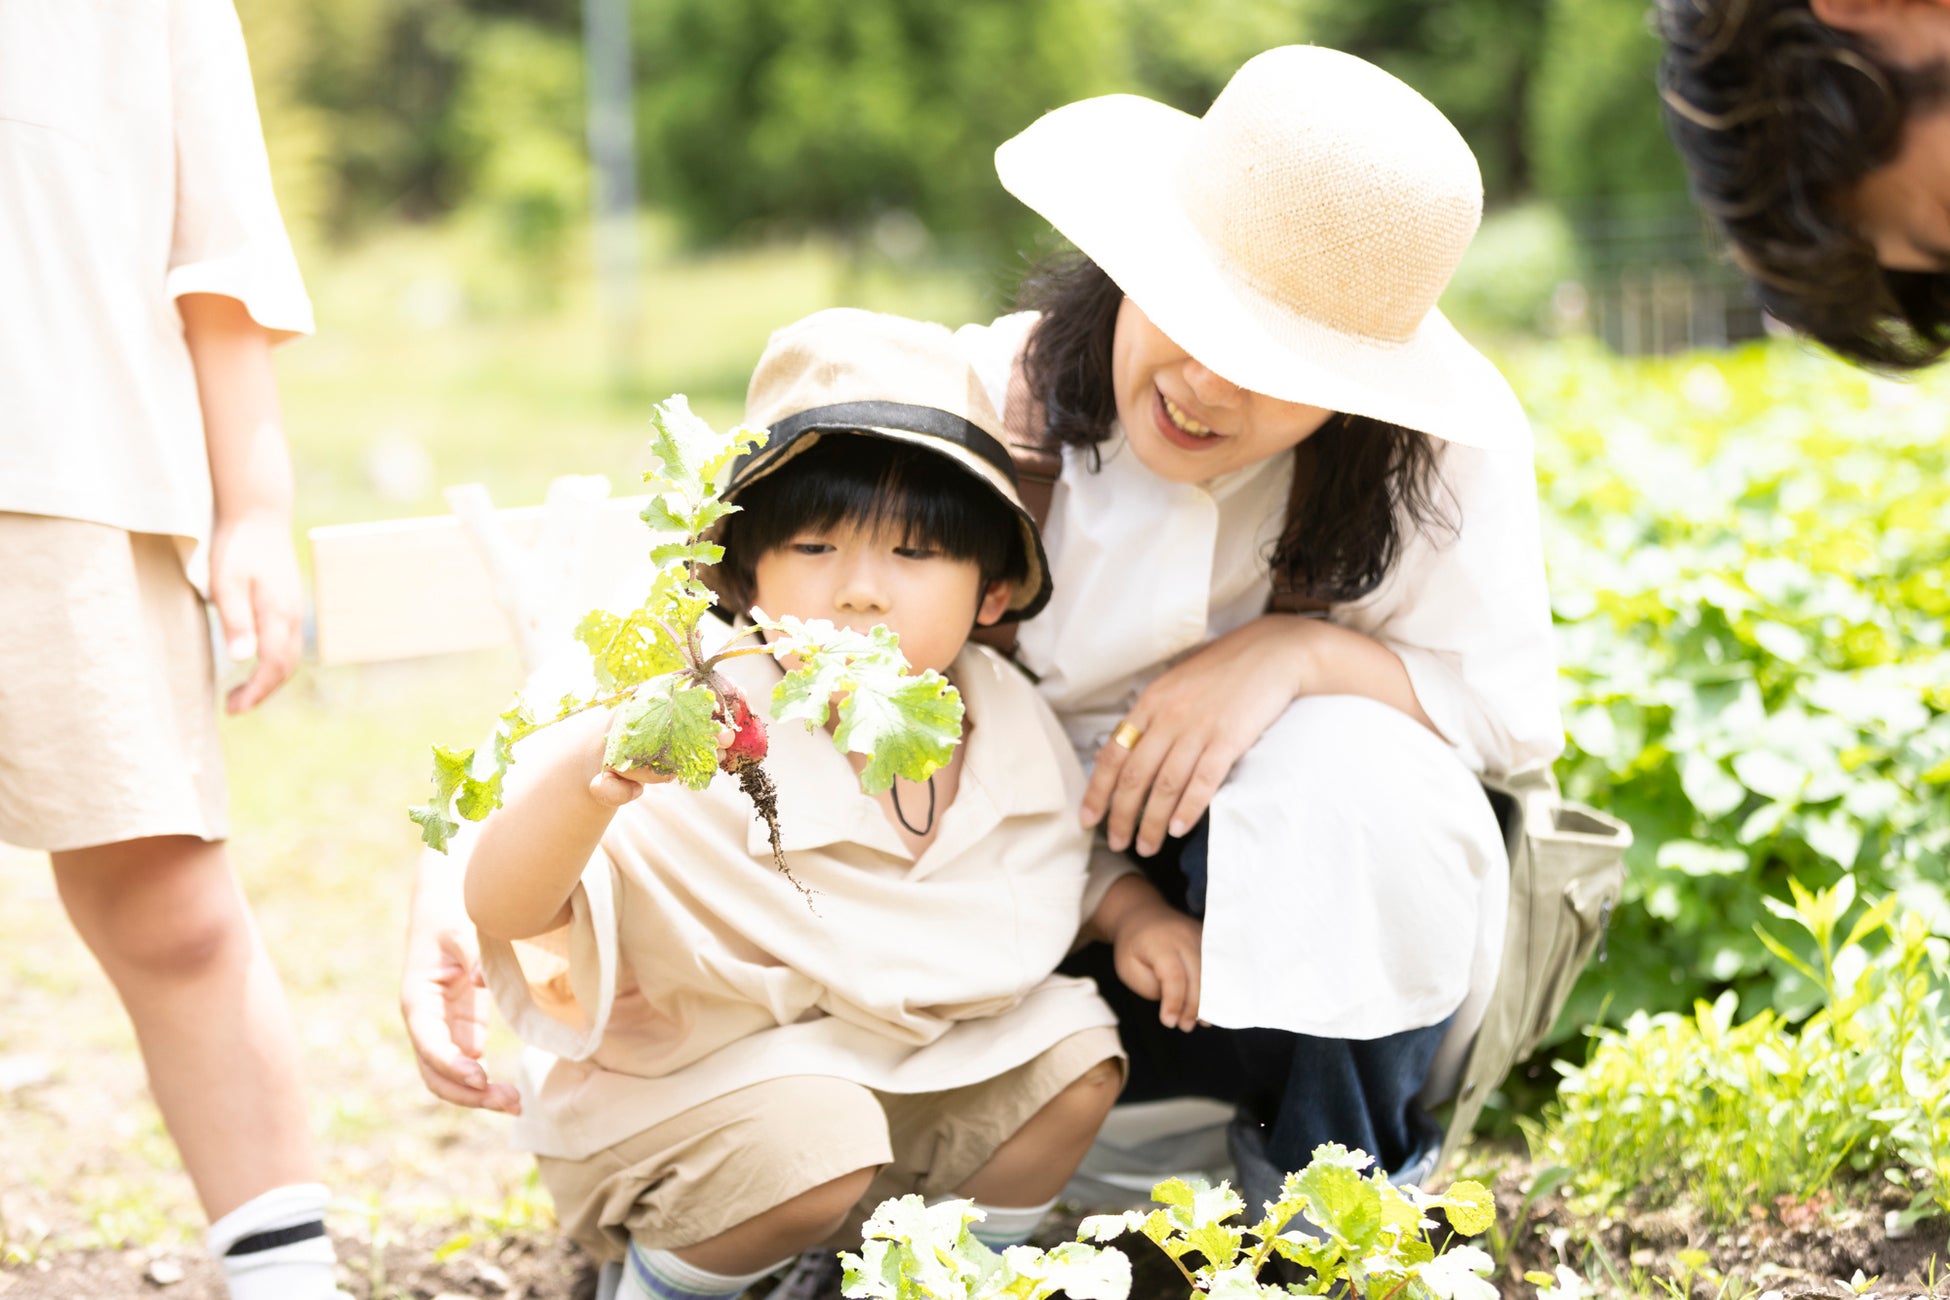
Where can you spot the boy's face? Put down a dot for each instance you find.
(857, 577)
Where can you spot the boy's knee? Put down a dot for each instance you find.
(819, 1212)
(1091, 1094)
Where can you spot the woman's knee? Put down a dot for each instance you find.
(156, 909)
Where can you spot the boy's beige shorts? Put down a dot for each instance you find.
(714, 1166)
(108, 726)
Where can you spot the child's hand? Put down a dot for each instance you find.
(445, 1005)
(615, 787)
(255, 586)
(1157, 956)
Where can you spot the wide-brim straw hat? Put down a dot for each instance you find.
(850, 371)
(1294, 240)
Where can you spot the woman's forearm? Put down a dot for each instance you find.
(1336, 660)
(250, 464)
(532, 851)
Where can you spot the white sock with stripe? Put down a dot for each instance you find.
(660, 1275)
(274, 1247)
(1005, 1227)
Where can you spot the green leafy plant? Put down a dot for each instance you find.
(656, 669)
(1750, 568)
(1366, 1238)
(1697, 1108)
(915, 1251)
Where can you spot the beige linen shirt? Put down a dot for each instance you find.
(132, 171)
(694, 968)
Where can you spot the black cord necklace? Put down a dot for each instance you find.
(924, 830)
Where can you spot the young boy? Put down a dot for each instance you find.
(739, 1079)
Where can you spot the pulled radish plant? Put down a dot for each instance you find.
(654, 668)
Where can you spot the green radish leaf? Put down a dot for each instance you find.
(1470, 1207)
(907, 726)
(1342, 1203)
(667, 726)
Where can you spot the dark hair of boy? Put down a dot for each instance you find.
(1778, 115)
(1372, 482)
(869, 481)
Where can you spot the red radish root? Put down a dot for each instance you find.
(744, 758)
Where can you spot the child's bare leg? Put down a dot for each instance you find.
(782, 1231)
(1034, 1164)
(170, 927)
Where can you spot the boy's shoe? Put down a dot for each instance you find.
(815, 1275)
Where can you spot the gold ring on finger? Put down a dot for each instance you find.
(1126, 735)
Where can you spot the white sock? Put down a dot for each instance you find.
(1002, 1227)
(660, 1275)
(274, 1247)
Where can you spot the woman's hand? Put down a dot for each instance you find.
(444, 1002)
(1195, 721)
(1156, 954)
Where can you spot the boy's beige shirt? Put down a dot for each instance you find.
(132, 172)
(697, 969)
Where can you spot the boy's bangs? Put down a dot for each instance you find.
(874, 483)
(919, 494)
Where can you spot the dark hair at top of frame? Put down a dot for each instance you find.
(1777, 116)
(1372, 481)
(869, 481)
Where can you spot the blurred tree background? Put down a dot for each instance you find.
(873, 122)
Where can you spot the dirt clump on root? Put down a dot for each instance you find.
(764, 795)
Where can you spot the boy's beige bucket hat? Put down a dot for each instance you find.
(849, 371)
(1294, 239)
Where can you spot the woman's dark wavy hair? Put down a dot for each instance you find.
(1372, 481)
(1778, 116)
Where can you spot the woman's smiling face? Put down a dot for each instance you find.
(1186, 423)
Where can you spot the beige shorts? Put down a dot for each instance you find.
(108, 726)
(715, 1166)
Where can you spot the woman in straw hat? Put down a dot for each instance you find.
(1299, 590)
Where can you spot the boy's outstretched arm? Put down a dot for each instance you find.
(253, 567)
(1155, 948)
(532, 850)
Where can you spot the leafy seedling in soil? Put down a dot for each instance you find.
(651, 666)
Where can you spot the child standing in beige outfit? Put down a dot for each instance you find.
(143, 469)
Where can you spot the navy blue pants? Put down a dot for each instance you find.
(1305, 1090)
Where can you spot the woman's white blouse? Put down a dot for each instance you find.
(132, 171)
(1146, 571)
(1357, 881)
